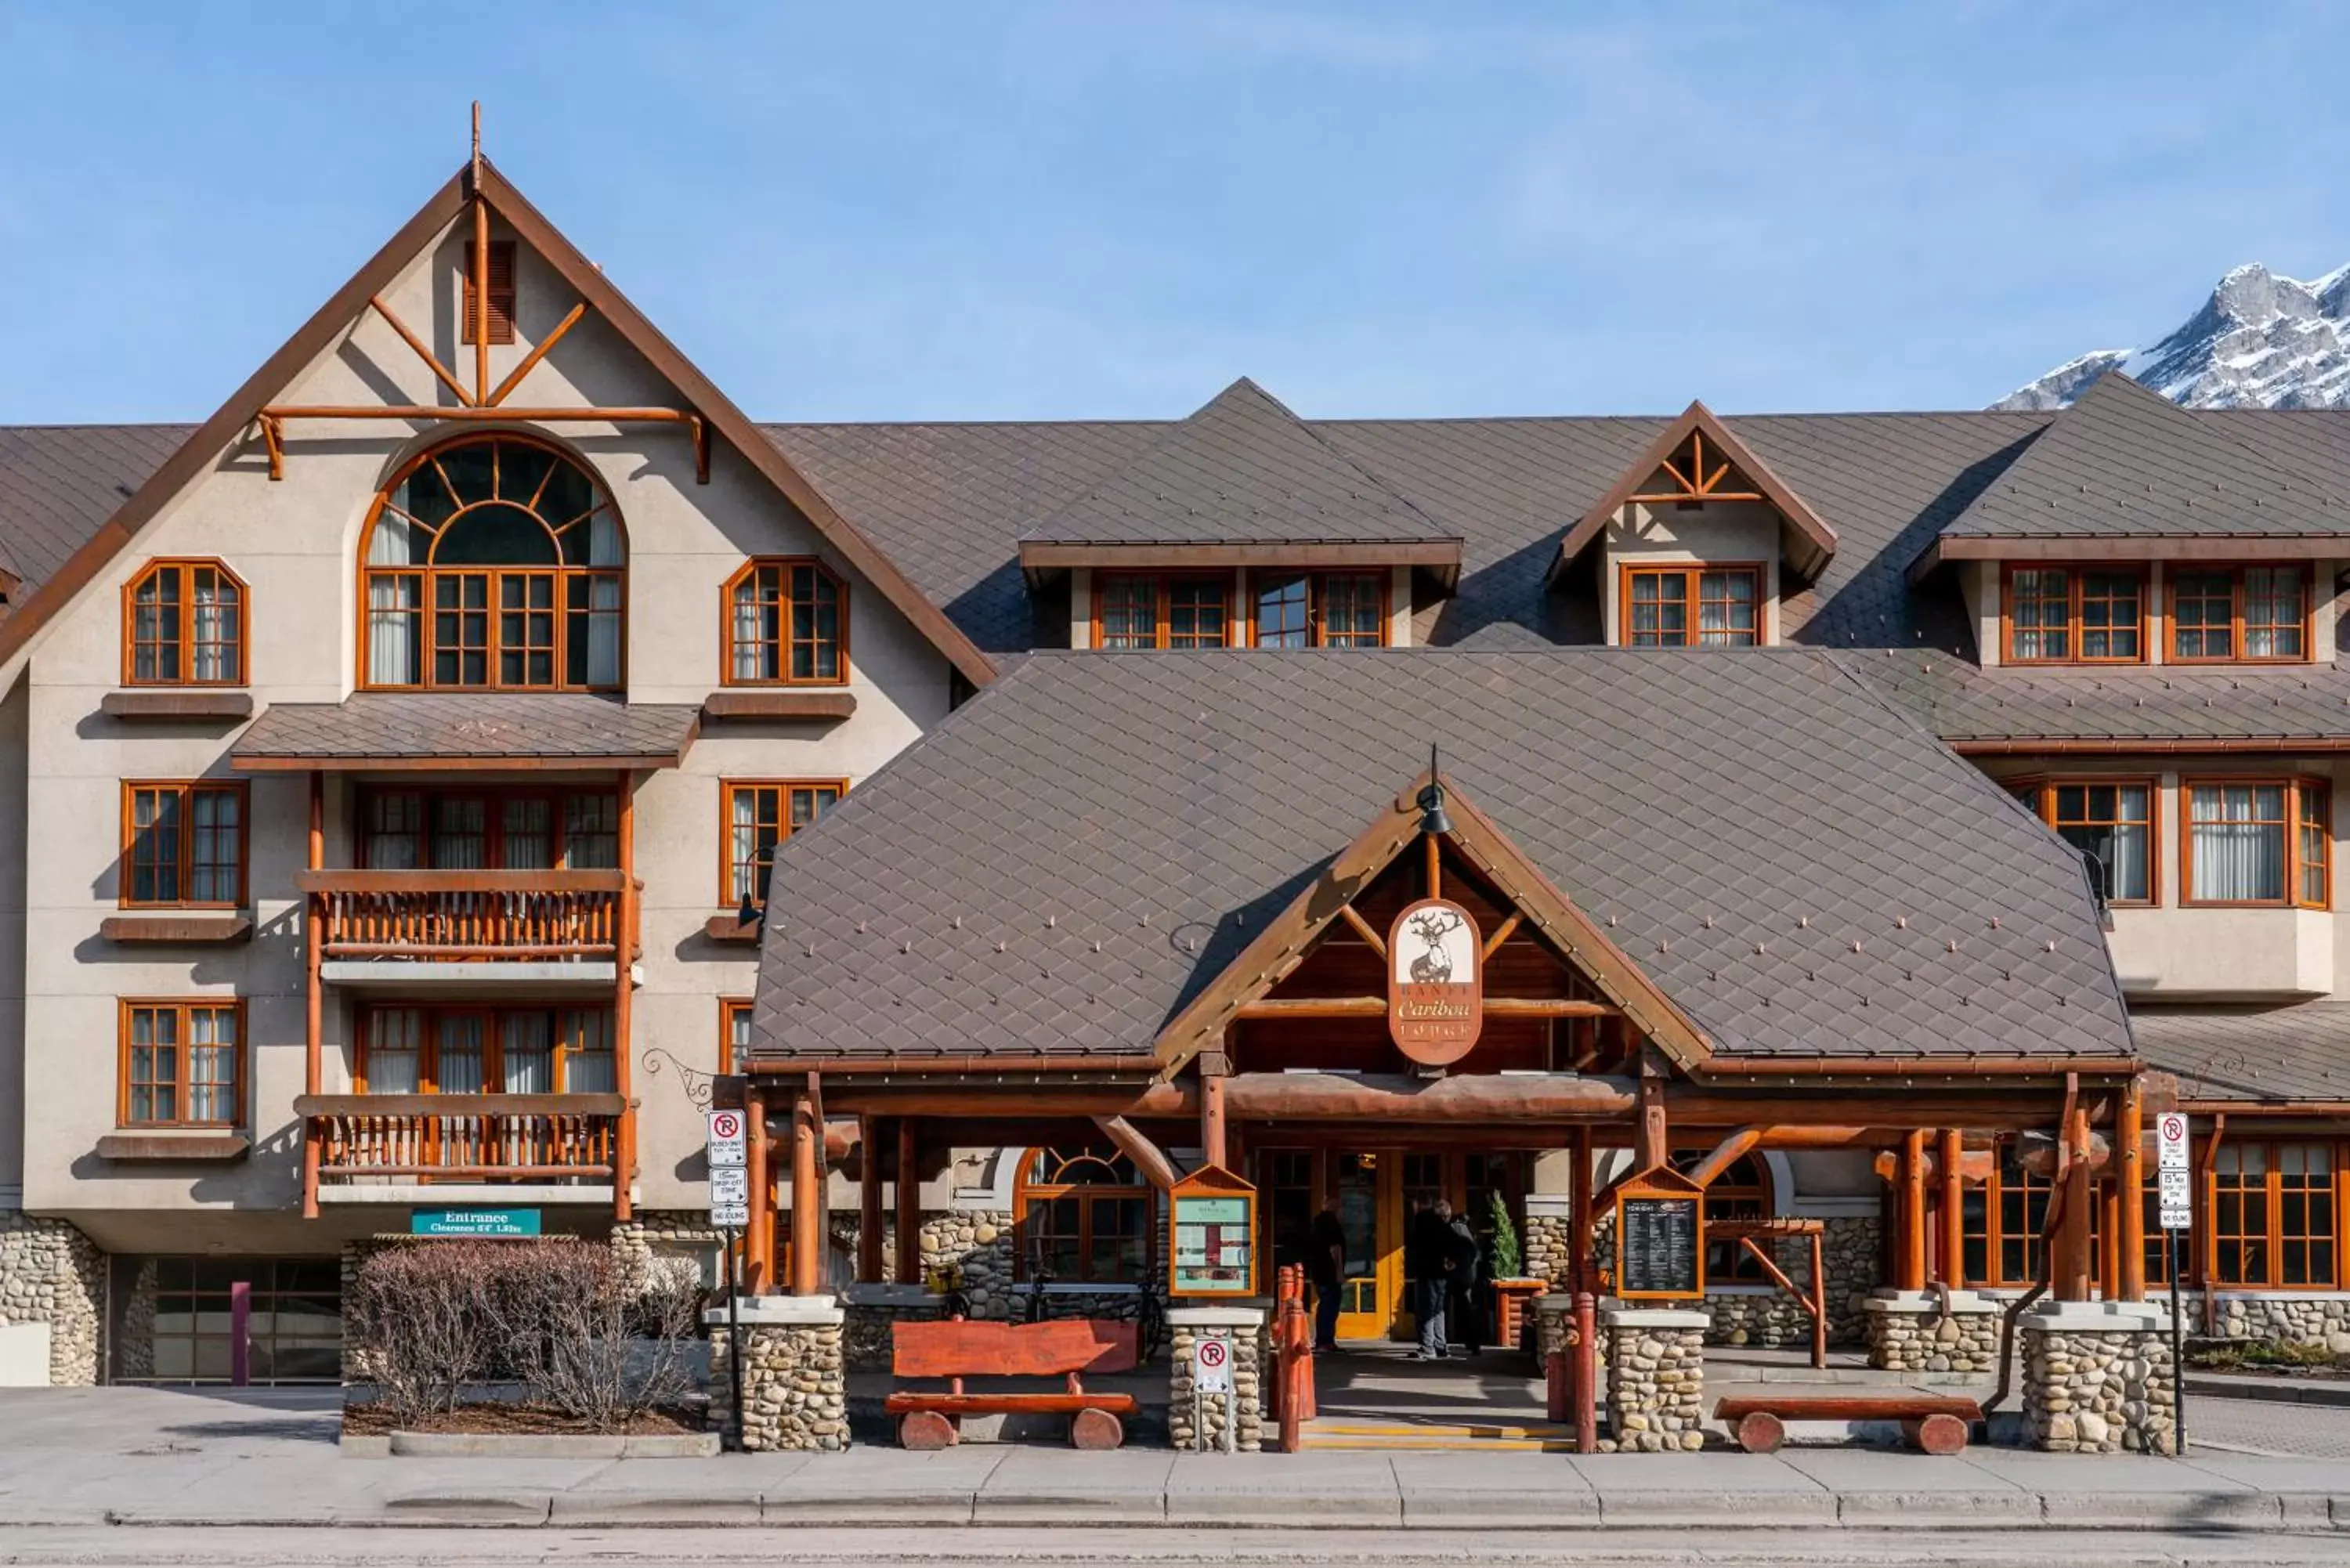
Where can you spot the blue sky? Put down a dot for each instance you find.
(987, 210)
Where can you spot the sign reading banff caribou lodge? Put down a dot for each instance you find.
(1436, 982)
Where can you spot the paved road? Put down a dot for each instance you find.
(2268, 1426)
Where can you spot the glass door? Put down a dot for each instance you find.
(1367, 1184)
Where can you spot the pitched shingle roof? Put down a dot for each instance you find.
(384, 728)
(1964, 703)
(2299, 1052)
(59, 484)
(1243, 470)
(1068, 859)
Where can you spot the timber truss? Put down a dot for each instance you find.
(1694, 481)
(480, 402)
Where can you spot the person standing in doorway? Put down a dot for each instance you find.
(1467, 1309)
(1325, 1265)
(1432, 1233)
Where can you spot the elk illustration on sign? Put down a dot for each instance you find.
(1435, 990)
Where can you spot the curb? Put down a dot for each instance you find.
(2283, 1391)
(551, 1446)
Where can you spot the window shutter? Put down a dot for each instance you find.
(502, 292)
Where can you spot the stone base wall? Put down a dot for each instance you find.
(657, 1233)
(1910, 1333)
(50, 1272)
(2308, 1318)
(2088, 1390)
(1850, 1248)
(1203, 1431)
(1656, 1379)
(795, 1386)
(1548, 1245)
(979, 1242)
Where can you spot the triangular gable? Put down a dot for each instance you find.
(343, 309)
(1240, 470)
(1286, 941)
(1719, 455)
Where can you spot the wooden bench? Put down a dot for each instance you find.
(1928, 1422)
(958, 1349)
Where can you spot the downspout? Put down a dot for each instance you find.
(2048, 1228)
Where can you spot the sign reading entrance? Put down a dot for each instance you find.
(1660, 1237)
(472, 1222)
(1436, 982)
(1213, 1232)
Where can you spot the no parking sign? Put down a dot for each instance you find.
(1212, 1366)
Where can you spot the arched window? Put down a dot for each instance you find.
(1741, 1192)
(493, 562)
(1082, 1215)
(184, 625)
(786, 624)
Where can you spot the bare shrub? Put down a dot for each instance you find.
(423, 1320)
(600, 1341)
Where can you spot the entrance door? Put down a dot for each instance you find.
(1369, 1187)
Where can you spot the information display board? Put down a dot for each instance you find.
(1212, 1235)
(1660, 1237)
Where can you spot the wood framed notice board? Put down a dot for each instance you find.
(1212, 1235)
(1660, 1237)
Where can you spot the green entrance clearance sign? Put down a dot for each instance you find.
(1212, 1230)
(472, 1222)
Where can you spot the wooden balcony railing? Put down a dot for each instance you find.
(466, 915)
(464, 1138)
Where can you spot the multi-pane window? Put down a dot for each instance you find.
(517, 1049)
(2251, 614)
(293, 1326)
(1318, 609)
(760, 816)
(2257, 841)
(2274, 1215)
(184, 625)
(1158, 609)
(786, 624)
(733, 1030)
(493, 562)
(183, 845)
(2075, 615)
(182, 1063)
(489, 830)
(1741, 1192)
(1083, 1215)
(1686, 607)
(2000, 1221)
(2111, 824)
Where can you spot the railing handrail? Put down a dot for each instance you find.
(599, 880)
(462, 1104)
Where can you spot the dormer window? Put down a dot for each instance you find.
(184, 625)
(493, 563)
(1692, 605)
(1319, 609)
(2256, 615)
(786, 625)
(2075, 615)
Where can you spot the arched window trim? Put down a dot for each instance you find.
(1728, 1262)
(186, 641)
(731, 647)
(1047, 1175)
(490, 617)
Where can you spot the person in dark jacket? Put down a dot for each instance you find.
(1325, 1265)
(1467, 1256)
(1431, 1238)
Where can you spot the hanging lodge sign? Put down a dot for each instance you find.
(1436, 982)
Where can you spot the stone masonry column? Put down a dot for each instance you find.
(1908, 1332)
(1656, 1378)
(2097, 1378)
(52, 1298)
(795, 1378)
(1201, 1429)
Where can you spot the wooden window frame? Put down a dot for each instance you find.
(1162, 594)
(783, 641)
(2038, 793)
(1317, 609)
(187, 789)
(1693, 573)
(1738, 1266)
(570, 581)
(730, 896)
(2073, 572)
(502, 296)
(185, 567)
(2204, 1242)
(2237, 629)
(729, 1009)
(2035, 1193)
(1026, 1191)
(491, 1014)
(2296, 787)
(181, 1007)
(494, 799)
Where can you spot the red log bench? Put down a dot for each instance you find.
(958, 1349)
(1934, 1424)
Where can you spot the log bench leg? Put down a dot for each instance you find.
(1761, 1432)
(1096, 1430)
(926, 1431)
(1943, 1435)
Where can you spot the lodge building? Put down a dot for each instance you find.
(431, 778)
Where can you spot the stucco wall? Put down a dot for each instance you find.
(1733, 533)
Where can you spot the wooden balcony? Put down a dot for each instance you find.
(424, 1139)
(461, 916)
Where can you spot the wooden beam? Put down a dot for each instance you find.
(909, 1204)
(1912, 1250)
(758, 1242)
(868, 1206)
(807, 1195)
(538, 352)
(2073, 1249)
(1378, 944)
(433, 362)
(481, 289)
(1502, 933)
(1377, 1007)
(1654, 1149)
(1579, 1218)
(1212, 1119)
(1156, 1168)
(2128, 1134)
(1435, 865)
(1953, 1173)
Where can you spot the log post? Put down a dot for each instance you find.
(1954, 1230)
(909, 1204)
(2129, 1128)
(2073, 1251)
(807, 1193)
(1913, 1212)
(1579, 1222)
(1654, 1149)
(868, 1193)
(759, 1241)
(1211, 1118)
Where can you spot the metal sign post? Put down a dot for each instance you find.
(2177, 1216)
(730, 1211)
(734, 1325)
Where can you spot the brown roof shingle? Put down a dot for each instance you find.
(387, 728)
